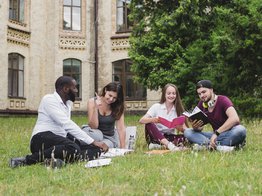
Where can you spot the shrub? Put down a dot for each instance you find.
(248, 106)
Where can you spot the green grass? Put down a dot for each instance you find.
(180, 173)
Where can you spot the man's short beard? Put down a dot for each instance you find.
(71, 96)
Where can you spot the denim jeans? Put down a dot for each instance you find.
(233, 137)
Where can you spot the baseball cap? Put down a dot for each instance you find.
(204, 83)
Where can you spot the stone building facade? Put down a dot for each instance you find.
(41, 40)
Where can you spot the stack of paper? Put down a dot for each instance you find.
(105, 158)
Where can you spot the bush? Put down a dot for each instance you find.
(248, 106)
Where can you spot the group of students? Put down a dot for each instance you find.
(55, 135)
(227, 132)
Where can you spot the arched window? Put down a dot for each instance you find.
(72, 15)
(15, 75)
(72, 67)
(122, 22)
(122, 73)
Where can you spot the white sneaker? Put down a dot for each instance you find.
(152, 146)
(225, 148)
(172, 147)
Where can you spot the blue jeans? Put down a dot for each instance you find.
(233, 137)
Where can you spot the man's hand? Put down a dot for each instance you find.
(197, 124)
(213, 140)
(101, 145)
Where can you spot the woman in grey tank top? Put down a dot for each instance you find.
(105, 112)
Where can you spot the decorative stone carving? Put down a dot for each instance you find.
(120, 44)
(16, 104)
(77, 105)
(17, 23)
(72, 43)
(136, 105)
(19, 37)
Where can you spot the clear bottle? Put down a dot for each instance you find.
(131, 142)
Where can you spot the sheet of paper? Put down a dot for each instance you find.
(98, 163)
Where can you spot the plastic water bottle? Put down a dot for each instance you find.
(131, 142)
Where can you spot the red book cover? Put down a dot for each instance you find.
(172, 124)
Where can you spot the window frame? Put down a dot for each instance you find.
(16, 86)
(72, 73)
(123, 75)
(127, 24)
(19, 14)
(71, 7)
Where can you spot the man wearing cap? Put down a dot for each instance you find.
(227, 132)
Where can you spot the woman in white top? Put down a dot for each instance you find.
(169, 107)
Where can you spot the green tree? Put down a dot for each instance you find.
(184, 41)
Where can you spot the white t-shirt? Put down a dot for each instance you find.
(157, 110)
(55, 116)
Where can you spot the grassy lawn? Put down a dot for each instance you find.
(180, 173)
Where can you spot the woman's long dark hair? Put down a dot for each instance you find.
(177, 103)
(118, 106)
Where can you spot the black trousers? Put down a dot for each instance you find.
(68, 149)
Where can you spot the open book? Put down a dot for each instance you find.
(98, 163)
(197, 114)
(172, 124)
(114, 152)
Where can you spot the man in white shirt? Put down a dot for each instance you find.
(54, 125)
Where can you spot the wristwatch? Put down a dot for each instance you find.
(217, 133)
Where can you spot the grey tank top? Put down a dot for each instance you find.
(106, 124)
